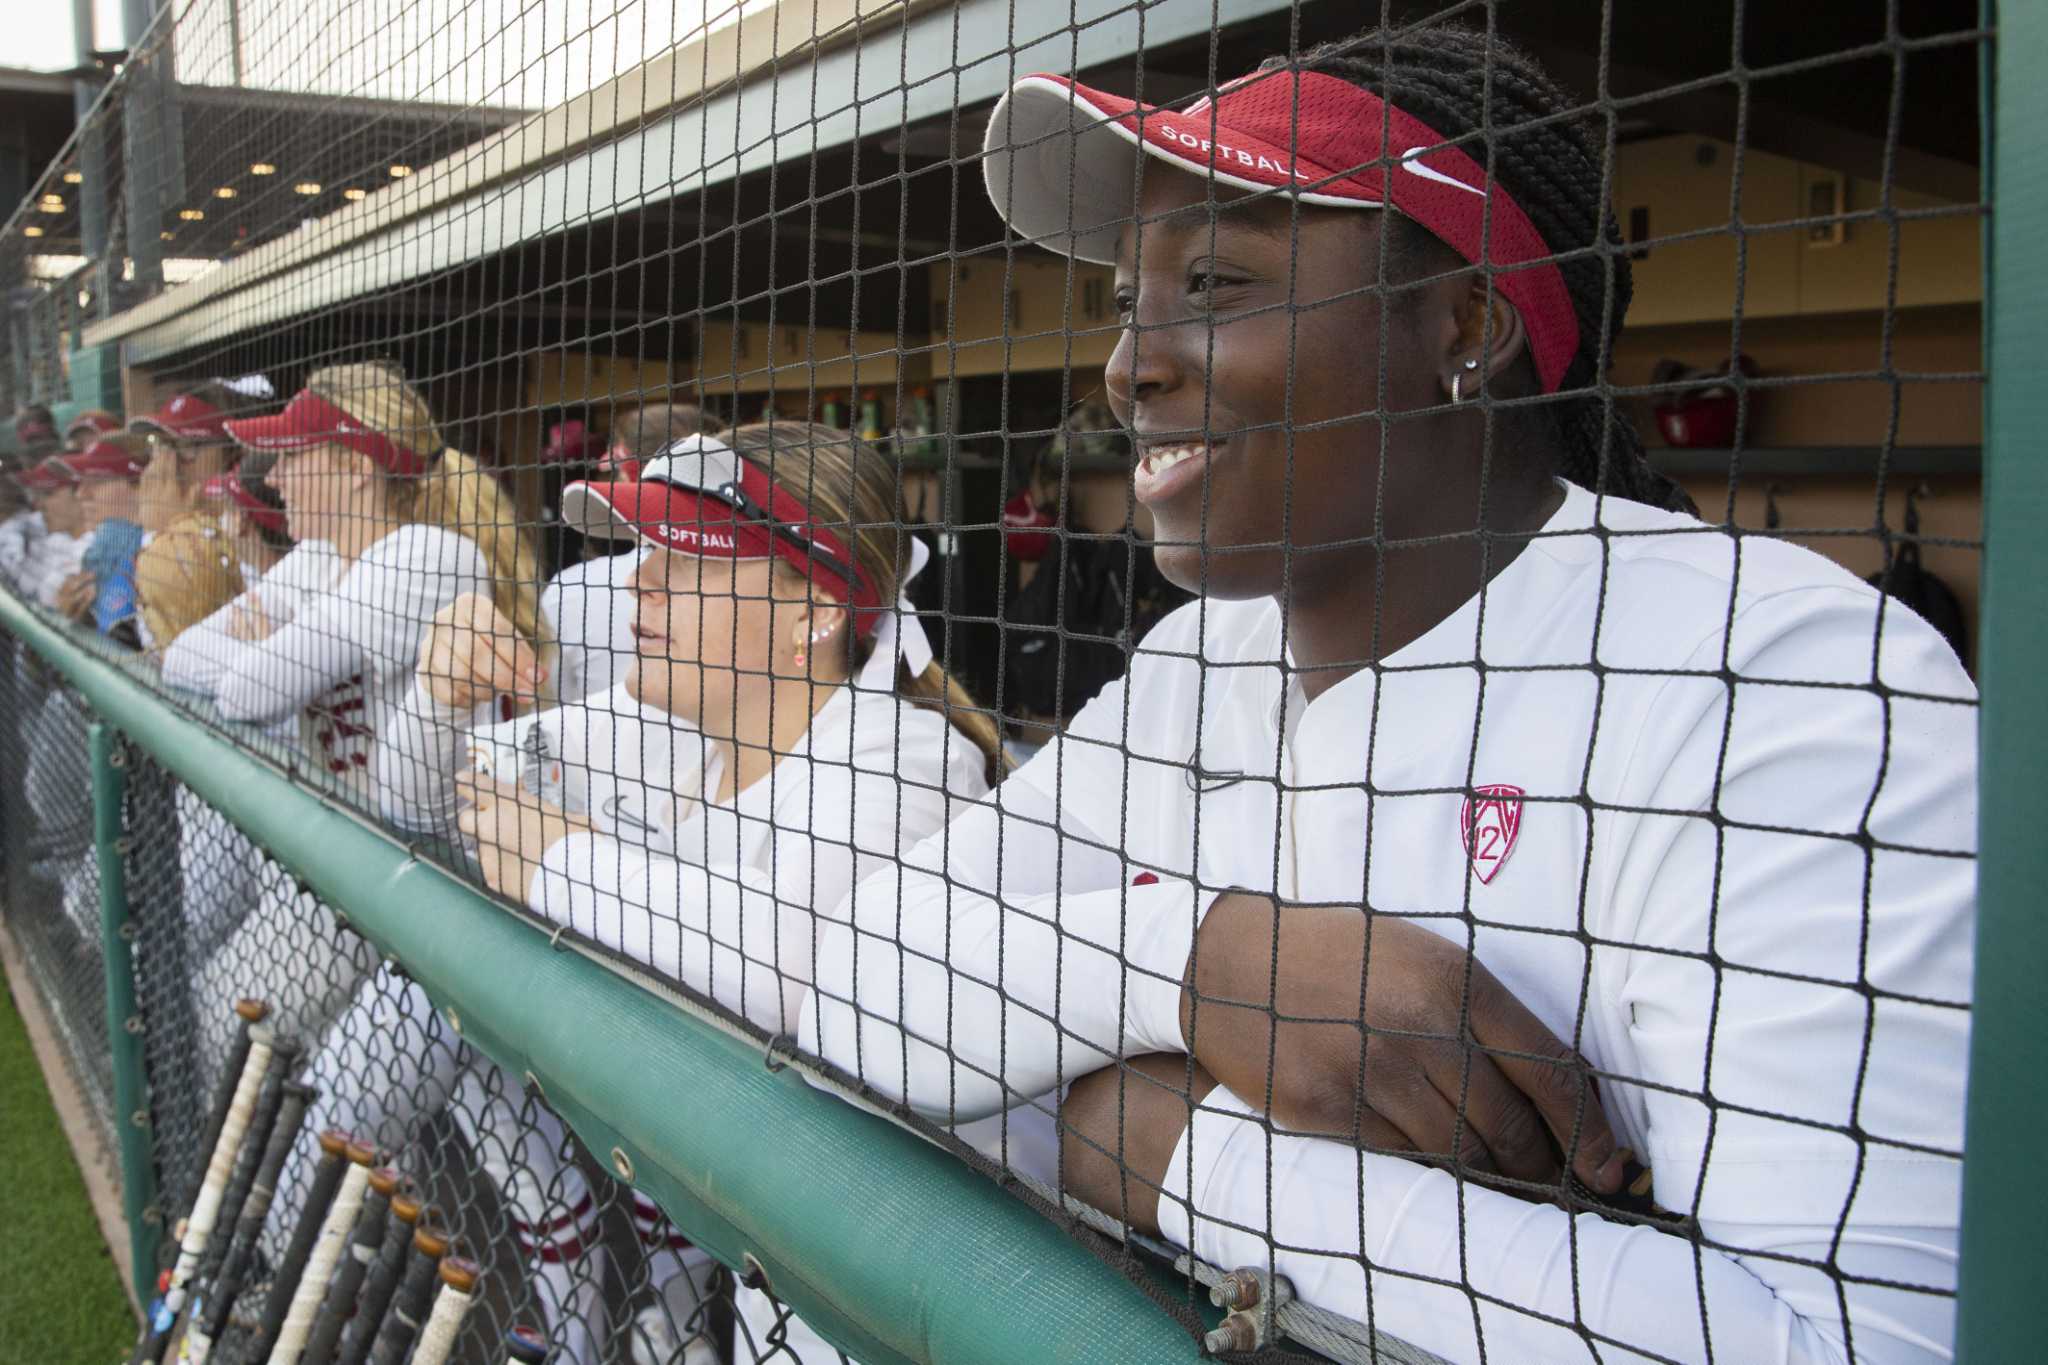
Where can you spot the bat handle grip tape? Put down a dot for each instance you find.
(437, 1338)
(312, 1288)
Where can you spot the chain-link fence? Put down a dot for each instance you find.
(565, 1250)
(1336, 650)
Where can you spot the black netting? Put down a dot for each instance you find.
(1355, 678)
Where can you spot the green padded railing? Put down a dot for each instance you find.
(890, 1248)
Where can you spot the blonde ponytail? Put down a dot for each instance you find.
(935, 690)
(462, 496)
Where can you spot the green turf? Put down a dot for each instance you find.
(60, 1293)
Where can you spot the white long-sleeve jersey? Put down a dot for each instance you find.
(344, 661)
(719, 896)
(590, 610)
(199, 658)
(51, 560)
(1723, 864)
(19, 534)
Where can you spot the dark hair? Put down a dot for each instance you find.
(1502, 109)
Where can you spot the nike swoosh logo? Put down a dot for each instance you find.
(1414, 167)
(617, 816)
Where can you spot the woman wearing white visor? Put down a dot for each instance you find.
(783, 730)
(1465, 685)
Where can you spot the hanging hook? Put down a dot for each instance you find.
(1771, 517)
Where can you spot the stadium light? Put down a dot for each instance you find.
(31, 232)
(262, 168)
(307, 187)
(354, 192)
(400, 171)
(225, 192)
(74, 177)
(192, 215)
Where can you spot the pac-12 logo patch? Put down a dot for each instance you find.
(1491, 819)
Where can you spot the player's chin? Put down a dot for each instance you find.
(1220, 570)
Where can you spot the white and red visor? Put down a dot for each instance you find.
(700, 498)
(47, 476)
(310, 420)
(104, 460)
(1061, 166)
(184, 418)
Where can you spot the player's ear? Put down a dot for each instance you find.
(1488, 339)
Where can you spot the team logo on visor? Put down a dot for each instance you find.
(1491, 820)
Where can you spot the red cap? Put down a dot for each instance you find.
(104, 460)
(94, 422)
(663, 508)
(185, 418)
(229, 488)
(47, 476)
(29, 430)
(310, 420)
(571, 443)
(1061, 167)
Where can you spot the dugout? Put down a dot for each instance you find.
(1822, 222)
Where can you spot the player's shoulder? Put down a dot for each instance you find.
(1669, 584)
(1214, 630)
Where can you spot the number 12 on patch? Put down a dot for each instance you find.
(1491, 820)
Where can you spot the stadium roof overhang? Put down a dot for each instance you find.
(802, 164)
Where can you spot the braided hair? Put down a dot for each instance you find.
(1453, 78)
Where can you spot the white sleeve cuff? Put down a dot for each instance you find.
(1161, 920)
(573, 875)
(1223, 1119)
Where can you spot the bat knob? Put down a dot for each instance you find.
(460, 1274)
(386, 1181)
(405, 1208)
(255, 1011)
(362, 1153)
(431, 1242)
(334, 1142)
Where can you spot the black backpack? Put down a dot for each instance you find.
(1061, 648)
(1906, 580)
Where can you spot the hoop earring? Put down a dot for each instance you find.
(1458, 380)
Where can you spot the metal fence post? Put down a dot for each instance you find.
(124, 1032)
(2004, 1205)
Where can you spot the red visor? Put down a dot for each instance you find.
(571, 443)
(185, 418)
(738, 514)
(1060, 167)
(310, 420)
(87, 425)
(230, 489)
(47, 476)
(104, 460)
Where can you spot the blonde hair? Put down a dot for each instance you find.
(856, 491)
(456, 493)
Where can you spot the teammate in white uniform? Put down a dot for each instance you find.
(54, 556)
(781, 733)
(587, 605)
(1702, 805)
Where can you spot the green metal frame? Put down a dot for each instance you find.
(891, 1249)
(124, 1034)
(2005, 1200)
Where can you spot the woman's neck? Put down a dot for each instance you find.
(358, 533)
(1361, 607)
(768, 725)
